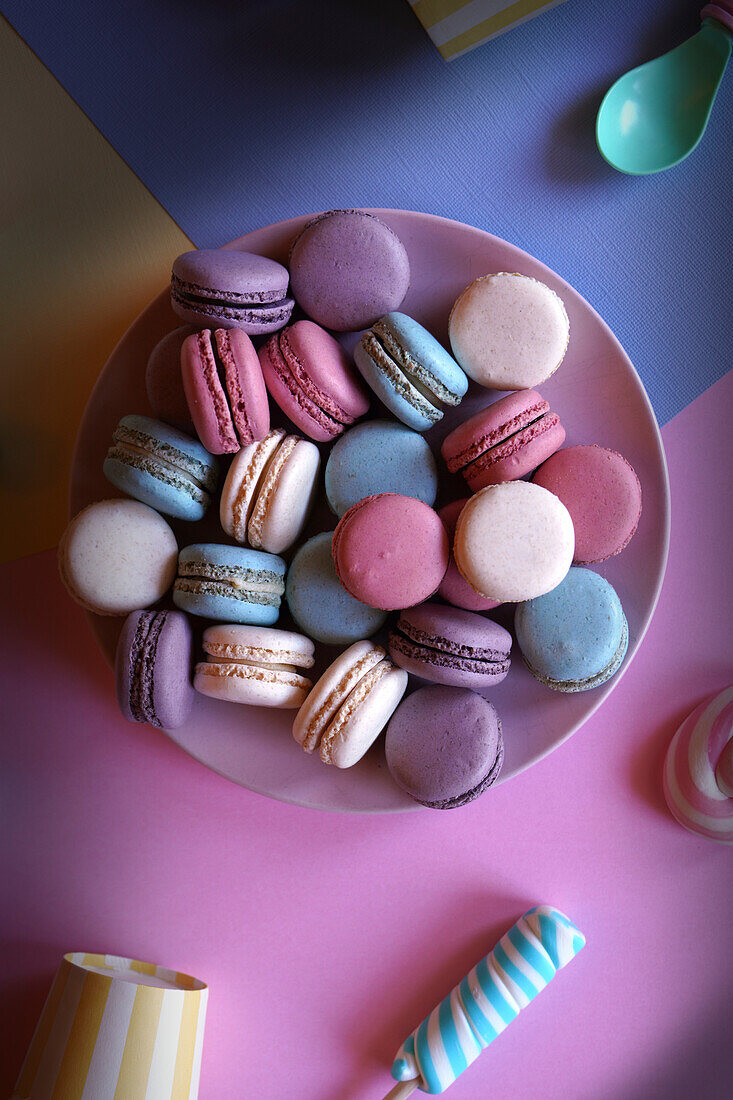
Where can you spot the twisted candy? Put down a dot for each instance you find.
(481, 1006)
(698, 770)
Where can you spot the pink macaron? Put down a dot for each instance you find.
(453, 588)
(390, 551)
(311, 378)
(504, 441)
(225, 390)
(601, 491)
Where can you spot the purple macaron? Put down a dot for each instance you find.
(348, 269)
(153, 668)
(448, 646)
(163, 381)
(223, 288)
(444, 746)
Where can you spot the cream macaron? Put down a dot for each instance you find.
(350, 705)
(269, 491)
(509, 331)
(514, 541)
(256, 665)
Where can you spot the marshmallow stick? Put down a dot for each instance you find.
(481, 1006)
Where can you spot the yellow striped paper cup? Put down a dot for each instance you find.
(456, 26)
(116, 1029)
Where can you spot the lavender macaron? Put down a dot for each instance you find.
(347, 269)
(224, 288)
(153, 668)
(448, 646)
(444, 746)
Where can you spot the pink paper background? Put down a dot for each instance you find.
(326, 938)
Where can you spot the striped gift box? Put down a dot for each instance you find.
(456, 26)
(116, 1029)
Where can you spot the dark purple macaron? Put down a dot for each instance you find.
(224, 288)
(450, 646)
(348, 269)
(153, 668)
(444, 746)
(163, 380)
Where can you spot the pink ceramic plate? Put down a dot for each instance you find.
(600, 399)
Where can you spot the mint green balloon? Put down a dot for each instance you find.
(654, 116)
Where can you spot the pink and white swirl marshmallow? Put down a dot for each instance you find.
(698, 770)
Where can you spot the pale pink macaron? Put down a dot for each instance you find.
(117, 556)
(255, 665)
(509, 331)
(312, 379)
(224, 388)
(514, 541)
(390, 551)
(698, 770)
(453, 588)
(601, 491)
(269, 491)
(504, 441)
(350, 705)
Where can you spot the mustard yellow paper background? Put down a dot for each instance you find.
(85, 246)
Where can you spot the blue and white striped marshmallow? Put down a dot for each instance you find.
(481, 1006)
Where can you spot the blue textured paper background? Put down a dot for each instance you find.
(236, 114)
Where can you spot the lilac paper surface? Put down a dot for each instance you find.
(236, 115)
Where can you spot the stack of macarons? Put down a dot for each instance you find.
(251, 398)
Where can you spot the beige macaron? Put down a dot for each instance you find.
(350, 705)
(514, 541)
(255, 665)
(509, 331)
(269, 491)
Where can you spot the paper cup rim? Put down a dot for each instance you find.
(180, 982)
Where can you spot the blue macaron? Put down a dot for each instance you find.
(230, 584)
(161, 467)
(410, 372)
(320, 604)
(575, 637)
(379, 456)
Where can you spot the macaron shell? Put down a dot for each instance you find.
(444, 746)
(448, 646)
(379, 456)
(117, 556)
(573, 638)
(347, 269)
(242, 481)
(377, 544)
(226, 288)
(332, 689)
(509, 331)
(504, 441)
(601, 491)
(163, 382)
(453, 588)
(230, 413)
(514, 541)
(352, 734)
(393, 388)
(320, 604)
(287, 496)
(158, 673)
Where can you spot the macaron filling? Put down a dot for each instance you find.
(254, 478)
(259, 586)
(163, 461)
(418, 373)
(353, 701)
(318, 405)
(330, 707)
(409, 388)
(437, 649)
(142, 664)
(192, 294)
(255, 663)
(587, 682)
(505, 440)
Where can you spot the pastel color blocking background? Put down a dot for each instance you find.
(339, 933)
